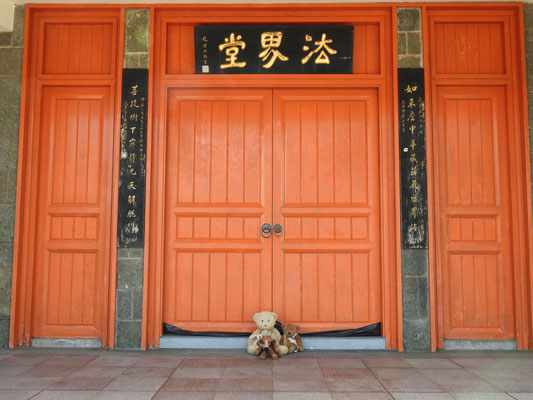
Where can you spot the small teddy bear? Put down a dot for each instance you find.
(266, 346)
(265, 322)
(291, 338)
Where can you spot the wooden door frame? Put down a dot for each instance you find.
(27, 177)
(519, 161)
(384, 83)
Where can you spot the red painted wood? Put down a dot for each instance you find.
(70, 269)
(63, 286)
(326, 196)
(218, 268)
(473, 181)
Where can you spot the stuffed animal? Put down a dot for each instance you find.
(291, 338)
(266, 345)
(265, 321)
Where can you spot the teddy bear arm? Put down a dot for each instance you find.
(299, 343)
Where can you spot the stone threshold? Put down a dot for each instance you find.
(309, 342)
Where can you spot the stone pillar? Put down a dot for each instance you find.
(130, 261)
(415, 281)
(10, 89)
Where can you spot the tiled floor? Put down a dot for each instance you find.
(235, 375)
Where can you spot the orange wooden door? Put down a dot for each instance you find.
(217, 266)
(326, 197)
(471, 150)
(74, 205)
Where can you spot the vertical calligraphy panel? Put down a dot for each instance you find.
(132, 158)
(413, 158)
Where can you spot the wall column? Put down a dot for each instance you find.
(128, 329)
(415, 281)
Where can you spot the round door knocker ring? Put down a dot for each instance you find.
(266, 230)
(278, 229)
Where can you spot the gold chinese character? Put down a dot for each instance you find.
(132, 129)
(131, 186)
(414, 170)
(412, 129)
(414, 211)
(412, 145)
(204, 38)
(131, 214)
(132, 171)
(132, 142)
(133, 104)
(270, 41)
(413, 228)
(413, 159)
(410, 89)
(231, 46)
(134, 90)
(411, 103)
(414, 198)
(411, 116)
(131, 200)
(134, 117)
(132, 157)
(132, 227)
(322, 45)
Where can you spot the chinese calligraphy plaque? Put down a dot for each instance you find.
(284, 49)
(132, 175)
(412, 125)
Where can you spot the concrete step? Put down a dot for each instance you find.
(309, 342)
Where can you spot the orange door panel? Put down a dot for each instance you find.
(217, 267)
(74, 203)
(326, 197)
(473, 194)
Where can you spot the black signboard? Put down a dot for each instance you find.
(132, 175)
(285, 49)
(413, 158)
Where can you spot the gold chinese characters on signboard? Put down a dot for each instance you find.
(274, 49)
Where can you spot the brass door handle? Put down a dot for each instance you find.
(278, 229)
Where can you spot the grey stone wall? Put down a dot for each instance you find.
(409, 33)
(415, 280)
(128, 328)
(137, 37)
(10, 88)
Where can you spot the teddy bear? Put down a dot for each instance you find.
(266, 345)
(291, 338)
(265, 321)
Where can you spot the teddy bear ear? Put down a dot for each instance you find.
(256, 317)
(275, 315)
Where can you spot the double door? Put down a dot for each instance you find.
(306, 160)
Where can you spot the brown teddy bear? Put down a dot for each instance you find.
(265, 321)
(266, 346)
(291, 338)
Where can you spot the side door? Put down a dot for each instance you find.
(74, 206)
(475, 263)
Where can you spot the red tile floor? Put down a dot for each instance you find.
(235, 375)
